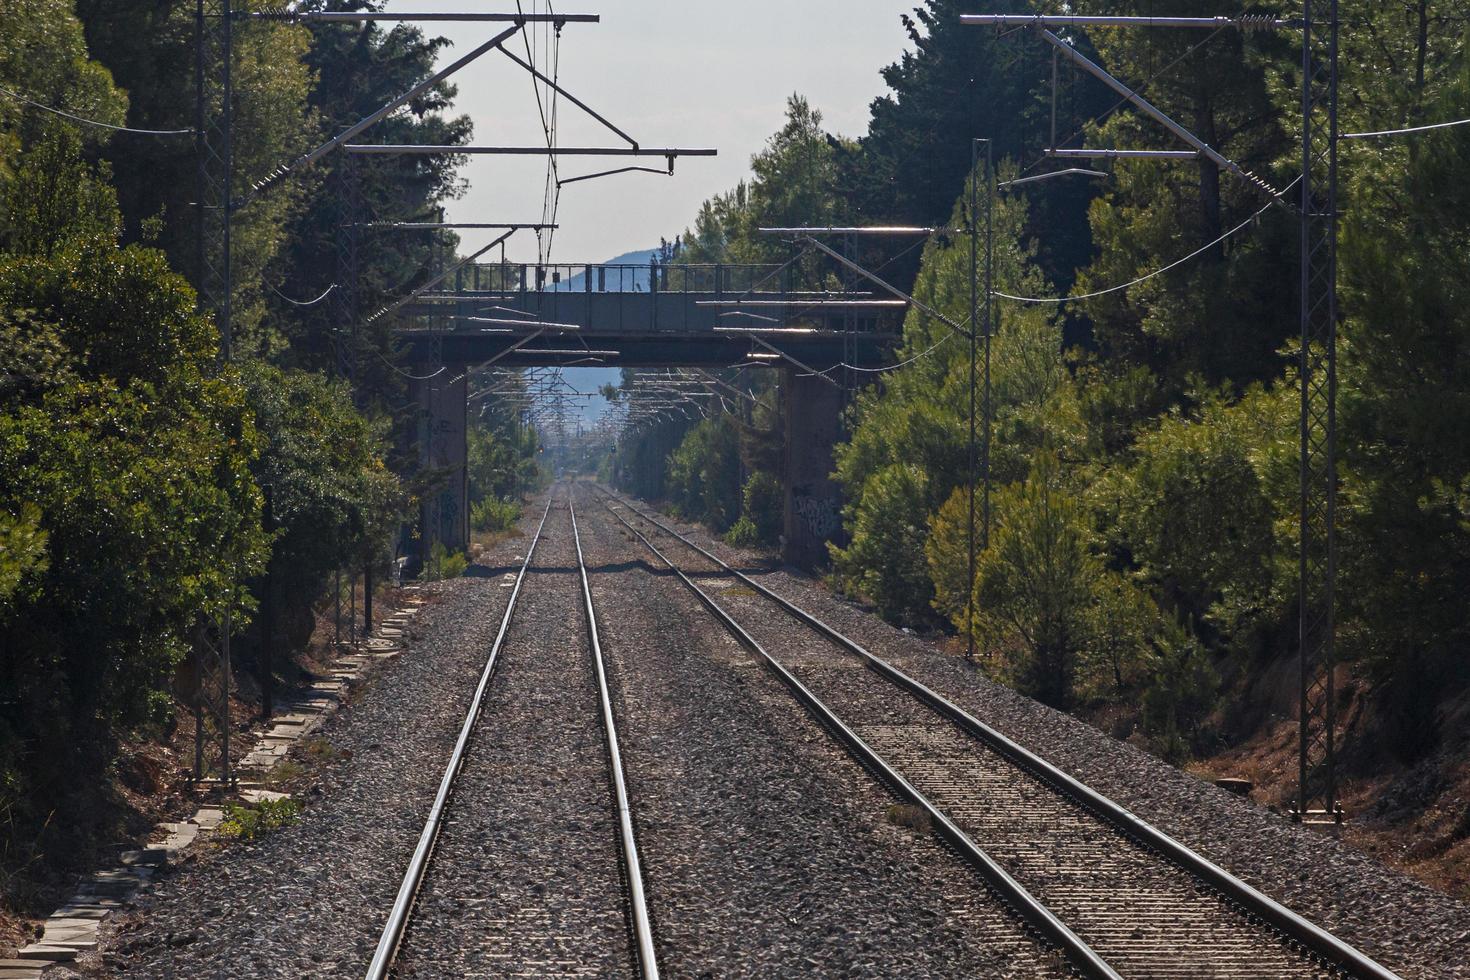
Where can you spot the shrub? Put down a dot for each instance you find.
(494, 514)
(885, 561)
(763, 505)
(743, 533)
(444, 564)
(1034, 585)
(244, 821)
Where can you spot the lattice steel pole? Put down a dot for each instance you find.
(214, 95)
(344, 309)
(215, 204)
(1317, 560)
(980, 307)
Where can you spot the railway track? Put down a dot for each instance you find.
(1119, 897)
(454, 869)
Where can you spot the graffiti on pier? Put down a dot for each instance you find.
(818, 515)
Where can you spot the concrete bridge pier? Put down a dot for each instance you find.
(443, 421)
(813, 514)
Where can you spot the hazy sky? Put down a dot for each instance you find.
(687, 73)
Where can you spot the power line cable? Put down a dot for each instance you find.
(1157, 272)
(93, 122)
(297, 302)
(410, 377)
(1400, 132)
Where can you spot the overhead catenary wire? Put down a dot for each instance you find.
(296, 302)
(1405, 130)
(94, 122)
(1157, 272)
(405, 374)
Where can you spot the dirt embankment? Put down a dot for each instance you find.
(148, 782)
(1409, 810)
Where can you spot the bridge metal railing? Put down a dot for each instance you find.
(628, 293)
(717, 278)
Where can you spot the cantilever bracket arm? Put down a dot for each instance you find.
(567, 95)
(866, 274)
(397, 304)
(306, 160)
(1148, 108)
(618, 170)
(1247, 22)
(799, 363)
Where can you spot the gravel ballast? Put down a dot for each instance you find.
(525, 879)
(310, 900)
(766, 850)
(1402, 923)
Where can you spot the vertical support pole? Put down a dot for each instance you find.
(970, 475)
(268, 616)
(1317, 559)
(980, 333)
(213, 116)
(367, 598)
(337, 608)
(345, 297)
(212, 697)
(988, 314)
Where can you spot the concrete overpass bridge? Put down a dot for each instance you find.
(669, 315)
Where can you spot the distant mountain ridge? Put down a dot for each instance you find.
(635, 279)
(590, 379)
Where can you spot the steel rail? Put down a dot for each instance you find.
(1294, 926)
(637, 902)
(393, 930)
(1082, 956)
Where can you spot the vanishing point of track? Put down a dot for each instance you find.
(640, 954)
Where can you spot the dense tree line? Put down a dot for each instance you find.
(133, 464)
(1142, 552)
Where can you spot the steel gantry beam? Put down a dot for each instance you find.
(563, 151)
(1316, 798)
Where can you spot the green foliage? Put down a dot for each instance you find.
(953, 83)
(148, 46)
(1180, 691)
(1405, 402)
(334, 499)
(22, 552)
(334, 502)
(251, 821)
(503, 458)
(356, 70)
(444, 564)
(138, 471)
(1035, 583)
(742, 533)
(884, 561)
(1194, 513)
(762, 504)
(793, 183)
(1148, 216)
(919, 415)
(762, 508)
(704, 474)
(494, 514)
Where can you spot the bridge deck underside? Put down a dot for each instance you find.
(652, 329)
